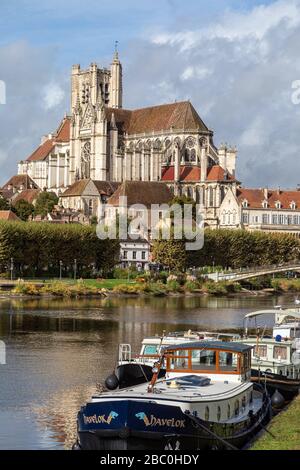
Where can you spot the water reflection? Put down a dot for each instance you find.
(57, 351)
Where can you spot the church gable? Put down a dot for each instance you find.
(88, 117)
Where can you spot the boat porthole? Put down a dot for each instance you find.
(228, 411)
(219, 413)
(207, 413)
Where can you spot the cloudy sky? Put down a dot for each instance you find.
(236, 60)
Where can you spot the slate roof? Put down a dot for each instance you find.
(179, 115)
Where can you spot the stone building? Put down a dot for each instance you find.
(264, 209)
(101, 141)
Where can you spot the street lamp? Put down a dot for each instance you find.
(75, 269)
(11, 268)
(60, 269)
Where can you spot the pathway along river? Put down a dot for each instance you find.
(58, 350)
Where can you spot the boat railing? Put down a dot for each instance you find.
(124, 353)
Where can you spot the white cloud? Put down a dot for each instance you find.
(238, 73)
(236, 25)
(52, 95)
(192, 72)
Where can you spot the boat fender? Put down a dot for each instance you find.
(277, 400)
(112, 382)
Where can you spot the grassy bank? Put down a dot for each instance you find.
(138, 286)
(285, 428)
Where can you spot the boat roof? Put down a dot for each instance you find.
(281, 314)
(217, 345)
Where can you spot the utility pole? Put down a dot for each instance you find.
(11, 269)
(75, 269)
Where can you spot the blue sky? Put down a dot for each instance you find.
(235, 60)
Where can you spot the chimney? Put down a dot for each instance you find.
(266, 193)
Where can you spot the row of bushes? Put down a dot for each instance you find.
(38, 248)
(229, 248)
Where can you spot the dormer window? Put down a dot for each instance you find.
(293, 205)
(245, 203)
(278, 205)
(265, 204)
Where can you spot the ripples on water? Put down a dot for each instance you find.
(57, 352)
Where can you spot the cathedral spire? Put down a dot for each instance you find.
(116, 85)
(116, 54)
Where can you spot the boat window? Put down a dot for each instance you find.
(260, 350)
(228, 411)
(228, 361)
(244, 401)
(180, 360)
(150, 349)
(206, 413)
(236, 407)
(203, 359)
(219, 413)
(280, 352)
(251, 397)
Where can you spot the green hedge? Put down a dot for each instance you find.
(239, 248)
(38, 248)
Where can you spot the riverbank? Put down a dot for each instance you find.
(284, 429)
(121, 287)
(144, 287)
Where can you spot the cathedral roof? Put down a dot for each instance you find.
(62, 135)
(193, 174)
(181, 115)
(63, 132)
(141, 192)
(42, 152)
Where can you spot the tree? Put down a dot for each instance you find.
(4, 205)
(23, 209)
(45, 203)
(170, 253)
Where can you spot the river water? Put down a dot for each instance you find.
(57, 351)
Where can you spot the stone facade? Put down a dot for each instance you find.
(264, 209)
(101, 141)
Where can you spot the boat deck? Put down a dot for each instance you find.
(184, 391)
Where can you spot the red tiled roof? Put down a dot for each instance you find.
(187, 173)
(63, 132)
(217, 173)
(256, 197)
(62, 135)
(42, 152)
(20, 181)
(9, 215)
(29, 195)
(193, 173)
